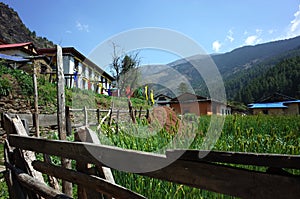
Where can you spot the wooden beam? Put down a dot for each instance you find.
(87, 181)
(89, 152)
(257, 159)
(35, 185)
(214, 177)
(229, 180)
(28, 156)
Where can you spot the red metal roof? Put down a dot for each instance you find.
(15, 45)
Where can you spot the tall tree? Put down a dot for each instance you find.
(183, 88)
(125, 68)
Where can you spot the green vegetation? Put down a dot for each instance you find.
(14, 78)
(279, 74)
(282, 78)
(18, 82)
(259, 134)
(3, 187)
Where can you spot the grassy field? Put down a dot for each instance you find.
(259, 134)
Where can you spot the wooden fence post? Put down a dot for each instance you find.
(110, 116)
(68, 121)
(140, 113)
(61, 117)
(147, 114)
(82, 135)
(86, 122)
(117, 121)
(98, 116)
(36, 99)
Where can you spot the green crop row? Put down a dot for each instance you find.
(258, 134)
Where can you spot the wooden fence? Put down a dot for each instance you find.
(89, 117)
(209, 172)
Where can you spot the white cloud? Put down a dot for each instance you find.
(216, 46)
(258, 31)
(294, 28)
(230, 36)
(252, 40)
(271, 31)
(69, 31)
(82, 27)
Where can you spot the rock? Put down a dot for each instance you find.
(12, 111)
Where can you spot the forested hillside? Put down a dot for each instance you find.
(237, 82)
(284, 78)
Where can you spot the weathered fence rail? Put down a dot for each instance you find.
(50, 120)
(210, 170)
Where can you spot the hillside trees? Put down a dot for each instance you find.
(283, 78)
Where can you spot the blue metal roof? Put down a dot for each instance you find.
(291, 102)
(267, 105)
(13, 58)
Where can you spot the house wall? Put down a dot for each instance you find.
(273, 111)
(293, 109)
(198, 108)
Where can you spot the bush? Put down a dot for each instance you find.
(5, 87)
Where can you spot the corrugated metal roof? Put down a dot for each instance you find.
(13, 58)
(267, 105)
(291, 102)
(14, 45)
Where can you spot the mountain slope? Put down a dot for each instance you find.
(241, 66)
(238, 81)
(282, 78)
(14, 31)
(245, 57)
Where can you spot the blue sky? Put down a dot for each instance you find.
(217, 25)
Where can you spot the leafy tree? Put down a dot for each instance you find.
(183, 88)
(125, 68)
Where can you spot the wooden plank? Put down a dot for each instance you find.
(89, 152)
(218, 178)
(228, 180)
(36, 186)
(51, 180)
(28, 156)
(61, 114)
(14, 188)
(257, 159)
(91, 182)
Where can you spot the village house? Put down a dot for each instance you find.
(162, 100)
(276, 104)
(198, 105)
(79, 71)
(22, 56)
